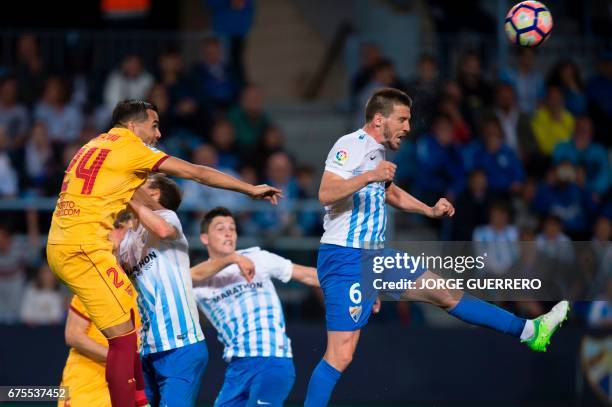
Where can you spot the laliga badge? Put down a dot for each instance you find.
(355, 312)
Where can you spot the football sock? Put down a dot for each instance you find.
(141, 397)
(120, 370)
(528, 331)
(321, 385)
(475, 311)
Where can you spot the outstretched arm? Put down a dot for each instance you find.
(210, 267)
(335, 188)
(305, 275)
(217, 179)
(402, 200)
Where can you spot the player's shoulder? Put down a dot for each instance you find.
(250, 251)
(355, 139)
(170, 217)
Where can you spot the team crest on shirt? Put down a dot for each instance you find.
(341, 156)
(355, 312)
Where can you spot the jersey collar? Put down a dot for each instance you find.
(362, 131)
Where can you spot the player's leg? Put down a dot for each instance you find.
(348, 305)
(273, 382)
(236, 384)
(475, 311)
(180, 371)
(151, 386)
(92, 273)
(341, 346)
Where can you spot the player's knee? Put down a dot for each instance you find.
(340, 358)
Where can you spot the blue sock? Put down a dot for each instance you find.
(474, 311)
(321, 385)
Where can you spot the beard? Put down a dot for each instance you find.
(388, 136)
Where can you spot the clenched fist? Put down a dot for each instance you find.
(384, 171)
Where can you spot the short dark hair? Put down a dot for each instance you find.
(123, 217)
(383, 101)
(211, 214)
(131, 109)
(169, 192)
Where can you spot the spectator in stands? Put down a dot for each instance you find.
(473, 204)
(64, 122)
(599, 89)
(552, 123)
(562, 196)
(130, 81)
(279, 173)
(583, 152)
(522, 205)
(248, 118)
(383, 75)
(223, 138)
(9, 187)
(566, 76)
(553, 243)
(16, 253)
(43, 302)
(57, 172)
(232, 20)
(527, 81)
(499, 239)
(13, 115)
(439, 163)
(424, 90)
(505, 173)
(450, 105)
(215, 82)
(38, 157)
(477, 92)
(271, 142)
(602, 251)
(30, 70)
(204, 197)
(184, 107)
(308, 220)
(370, 55)
(516, 125)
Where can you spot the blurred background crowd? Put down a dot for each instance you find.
(520, 140)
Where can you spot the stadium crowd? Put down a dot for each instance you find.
(523, 154)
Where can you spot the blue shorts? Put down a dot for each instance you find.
(256, 381)
(172, 377)
(346, 278)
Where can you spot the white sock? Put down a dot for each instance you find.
(528, 331)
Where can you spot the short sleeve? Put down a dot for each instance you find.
(276, 266)
(77, 306)
(172, 218)
(144, 158)
(345, 156)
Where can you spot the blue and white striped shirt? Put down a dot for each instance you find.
(359, 220)
(248, 317)
(160, 272)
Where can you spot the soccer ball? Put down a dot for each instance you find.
(528, 23)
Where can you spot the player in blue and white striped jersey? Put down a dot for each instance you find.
(235, 291)
(155, 256)
(356, 185)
